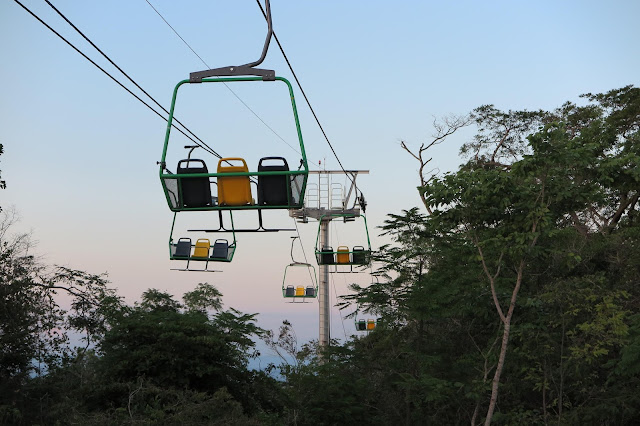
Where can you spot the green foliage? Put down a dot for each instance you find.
(203, 297)
(33, 327)
(629, 365)
(156, 362)
(166, 346)
(538, 231)
(547, 199)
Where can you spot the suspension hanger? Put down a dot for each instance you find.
(246, 69)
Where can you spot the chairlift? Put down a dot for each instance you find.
(194, 187)
(277, 187)
(202, 251)
(294, 290)
(366, 325)
(344, 256)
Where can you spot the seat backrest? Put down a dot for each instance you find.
(202, 248)
(358, 256)
(342, 255)
(310, 292)
(300, 291)
(196, 191)
(326, 257)
(371, 324)
(290, 291)
(233, 190)
(220, 249)
(362, 325)
(183, 248)
(273, 190)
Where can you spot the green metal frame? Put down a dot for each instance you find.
(230, 254)
(314, 279)
(319, 252)
(165, 177)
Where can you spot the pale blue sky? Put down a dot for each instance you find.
(81, 153)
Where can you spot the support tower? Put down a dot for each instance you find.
(325, 200)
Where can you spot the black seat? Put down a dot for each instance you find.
(196, 191)
(310, 292)
(220, 249)
(326, 256)
(359, 256)
(273, 190)
(183, 248)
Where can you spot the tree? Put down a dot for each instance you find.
(529, 176)
(519, 285)
(432, 329)
(203, 297)
(160, 344)
(33, 338)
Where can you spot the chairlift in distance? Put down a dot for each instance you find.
(366, 325)
(344, 255)
(202, 251)
(369, 324)
(296, 292)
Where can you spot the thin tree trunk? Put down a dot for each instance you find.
(496, 377)
(475, 414)
(503, 348)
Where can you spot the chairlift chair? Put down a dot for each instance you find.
(366, 325)
(201, 251)
(275, 178)
(344, 256)
(295, 291)
(190, 189)
(292, 288)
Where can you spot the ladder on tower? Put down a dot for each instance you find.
(324, 181)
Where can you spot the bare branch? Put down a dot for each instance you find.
(443, 128)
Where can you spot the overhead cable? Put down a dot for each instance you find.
(176, 33)
(307, 100)
(295, 222)
(204, 145)
(102, 69)
(225, 84)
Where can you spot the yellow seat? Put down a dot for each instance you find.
(233, 190)
(371, 324)
(202, 248)
(342, 255)
(299, 291)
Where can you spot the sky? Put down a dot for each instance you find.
(80, 153)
